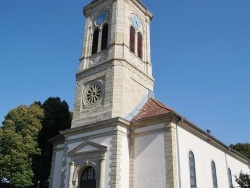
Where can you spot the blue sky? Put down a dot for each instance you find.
(200, 55)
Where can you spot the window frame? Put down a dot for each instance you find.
(214, 174)
(230, 178)
(88, 174)
(136, 42)
(101, 34)
(88, 177)
(192, 170)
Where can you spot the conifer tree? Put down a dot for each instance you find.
(57, 117)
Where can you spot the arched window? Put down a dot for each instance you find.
(139, 45)
(132, 39)
(192, 170)
(105, 37)
(95, 41)
(230, 178)
(214, 175)
(88, 178)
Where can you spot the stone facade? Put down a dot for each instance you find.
(171, 156)
(127, 79)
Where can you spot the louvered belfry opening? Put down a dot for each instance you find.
(95, 41)
(132, 39)
(139, 45)
(105, 37)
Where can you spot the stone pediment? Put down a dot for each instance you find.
(87, 147)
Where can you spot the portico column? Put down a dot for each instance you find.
(71, 171)
(102, 171)
(99, 40)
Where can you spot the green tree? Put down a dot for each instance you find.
(242, 148)
(18, 143)
(243, 180)
(57, 117)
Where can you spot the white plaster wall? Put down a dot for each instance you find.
(149, 161)
(125, 162)
(150, 128)
(213, 154)
(204, 154)
(236, 167)
(188, 142)
(57, 169)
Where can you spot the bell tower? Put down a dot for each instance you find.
(114, 80)
(115, 73)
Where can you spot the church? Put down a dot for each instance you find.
(121, 136)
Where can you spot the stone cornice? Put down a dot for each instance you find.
(141, 7)
(91, 5)
(152, 120)
(96, 126)
(111, 62)
(95, 68)
(137, 3)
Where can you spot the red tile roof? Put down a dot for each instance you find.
(152, 108)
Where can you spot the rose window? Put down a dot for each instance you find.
(92, 94)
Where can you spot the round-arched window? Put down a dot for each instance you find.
(88, 178)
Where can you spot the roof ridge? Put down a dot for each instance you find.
(152, 108)
(160, 104)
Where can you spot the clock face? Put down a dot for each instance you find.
(101, 18)
(136, 22)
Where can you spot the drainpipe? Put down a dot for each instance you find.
(178, 150)
(227, 166)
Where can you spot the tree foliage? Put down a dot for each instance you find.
(243, 180)
(57, 117)
(25, 155)
(242, 148)
(18, 143)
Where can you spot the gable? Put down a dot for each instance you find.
(87, 146)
